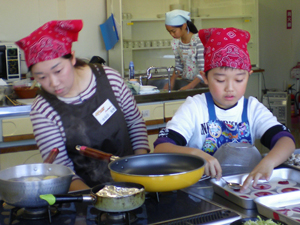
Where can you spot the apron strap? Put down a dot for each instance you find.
(245, 114)
(212, 112)
(210, 106)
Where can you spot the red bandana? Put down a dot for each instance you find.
(52, 40)
(225, 47)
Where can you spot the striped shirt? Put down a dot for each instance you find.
(189, 59)
(49, 131)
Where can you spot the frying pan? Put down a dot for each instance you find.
(26, 193)
(157, 172)
(106, 204)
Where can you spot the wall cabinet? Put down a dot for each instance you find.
(145, 41)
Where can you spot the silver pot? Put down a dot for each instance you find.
(26, 193)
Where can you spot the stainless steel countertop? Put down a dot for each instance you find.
(14, 110)
(165, 96)
(10, 110)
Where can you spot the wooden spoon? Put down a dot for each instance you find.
(33, 84)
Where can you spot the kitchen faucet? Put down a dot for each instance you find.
(149, 75)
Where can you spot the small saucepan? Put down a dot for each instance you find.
(157, 172)
(104, 203)
(21, 193)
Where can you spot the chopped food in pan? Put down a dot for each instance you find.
(114, 191)
(260, 221)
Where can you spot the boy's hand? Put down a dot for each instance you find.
(262, 171)
(212, 167)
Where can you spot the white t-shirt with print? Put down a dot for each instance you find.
(192, 116)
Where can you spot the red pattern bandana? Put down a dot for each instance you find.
(52, 40)
(225, 47)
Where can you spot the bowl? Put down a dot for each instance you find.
(26, 92)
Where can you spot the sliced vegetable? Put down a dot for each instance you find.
(260, 221)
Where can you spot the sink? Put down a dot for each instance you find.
(161, 82)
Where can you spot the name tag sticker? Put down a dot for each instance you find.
(104, 112)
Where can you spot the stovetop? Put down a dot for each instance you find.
(169, 207)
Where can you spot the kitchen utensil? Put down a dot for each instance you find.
(234, 186)
(237, 158)
(157, 172)
(33, 84)
(26, 193)
(106, 204)
(52, 156)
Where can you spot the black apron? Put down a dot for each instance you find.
(82, 128)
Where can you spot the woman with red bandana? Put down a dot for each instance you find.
(206, 121)
(79, 104)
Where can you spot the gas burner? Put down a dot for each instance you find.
(33, 213)
(59, 214)
(116, 218)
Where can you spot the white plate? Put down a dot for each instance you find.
(26, 101)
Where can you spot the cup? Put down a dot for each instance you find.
(154, 44)
(129, 16)
(160, 43)
(125, 44)
(142, 44)
(136, 44)
(166, 43)
(148, 44)
(130, 44)
(124, 16)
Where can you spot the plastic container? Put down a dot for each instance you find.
(131, 70)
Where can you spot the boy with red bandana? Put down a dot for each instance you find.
(204, 122)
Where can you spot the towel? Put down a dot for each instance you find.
(109, 32)
(133, 86)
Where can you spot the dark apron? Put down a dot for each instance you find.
(82, 128)
(221, 132)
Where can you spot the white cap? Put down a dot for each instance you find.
(177, 17)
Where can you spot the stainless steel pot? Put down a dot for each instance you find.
(26, 193)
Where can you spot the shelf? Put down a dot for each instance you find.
(147, 48)
(222, 17)
(200, 17)
(144, 20)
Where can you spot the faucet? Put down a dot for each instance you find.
(149, 75)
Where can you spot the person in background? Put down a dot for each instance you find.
(206, 121)
(187, 48)
(79, 104)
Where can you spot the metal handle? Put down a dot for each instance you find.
(52, 156)
(95, 153)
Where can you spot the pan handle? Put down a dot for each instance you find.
(54, 199)
(95, 153)
(52, 156)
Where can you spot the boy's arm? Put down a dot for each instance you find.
(283, 148)
(212, 167)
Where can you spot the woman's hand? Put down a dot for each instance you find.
(77, 185)
(140, 151)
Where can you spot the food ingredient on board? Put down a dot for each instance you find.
(294, 159)
(261, 222)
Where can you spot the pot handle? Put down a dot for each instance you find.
(53, 199)
(95, 153)
(52, 156)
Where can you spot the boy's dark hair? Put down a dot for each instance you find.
(191, 27)
(79, 62)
